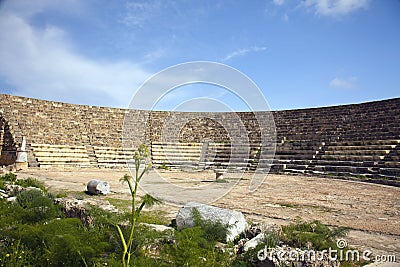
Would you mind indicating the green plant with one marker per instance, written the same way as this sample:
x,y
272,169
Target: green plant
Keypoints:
x,y
195,248
36,206
14,254
309,235
140,157
213,231
54,241
287,205
250,257
164,166
31,182
2,184
61,195
9,177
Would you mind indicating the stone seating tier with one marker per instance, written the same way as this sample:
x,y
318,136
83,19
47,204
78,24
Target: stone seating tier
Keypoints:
x,y
47,155
354,136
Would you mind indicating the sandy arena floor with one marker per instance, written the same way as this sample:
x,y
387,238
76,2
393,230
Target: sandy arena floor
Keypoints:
x,y
372,212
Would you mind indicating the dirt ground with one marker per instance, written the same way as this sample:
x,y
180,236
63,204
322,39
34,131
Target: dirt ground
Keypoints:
x,y
371,211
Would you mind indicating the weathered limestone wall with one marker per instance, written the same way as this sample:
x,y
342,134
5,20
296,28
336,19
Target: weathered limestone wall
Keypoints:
x,y
47,122
377,120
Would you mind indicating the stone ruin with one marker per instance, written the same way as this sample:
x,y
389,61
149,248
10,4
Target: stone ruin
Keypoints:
x,y
359,140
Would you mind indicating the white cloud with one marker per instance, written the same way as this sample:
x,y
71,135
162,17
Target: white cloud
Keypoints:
x,y
285,17
335,7
279,2
243,52
344,83
39,62
138,13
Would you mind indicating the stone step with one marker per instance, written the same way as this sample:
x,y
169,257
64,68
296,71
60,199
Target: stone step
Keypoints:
x,y
391,171
60,154
175,162
352,157
365,143
52,150
298,156
347,169
100,161
113,148
392,164
48,146
176,150
106,156
348,163
60,159
360,147
113,154
358,152
174,158
295,167
155,143
295,152
63,165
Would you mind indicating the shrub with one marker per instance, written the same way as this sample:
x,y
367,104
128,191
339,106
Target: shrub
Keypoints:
x,y
14,254
2,184
194,248
9,177
311,235
31,182
54,242
250,258
213,231
36,206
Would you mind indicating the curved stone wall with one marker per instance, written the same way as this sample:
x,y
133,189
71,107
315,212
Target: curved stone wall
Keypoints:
x,y
347,137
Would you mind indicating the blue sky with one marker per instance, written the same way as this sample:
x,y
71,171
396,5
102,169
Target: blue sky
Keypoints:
x,y
300,53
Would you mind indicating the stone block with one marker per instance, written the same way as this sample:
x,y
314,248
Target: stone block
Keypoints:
x,y
234,220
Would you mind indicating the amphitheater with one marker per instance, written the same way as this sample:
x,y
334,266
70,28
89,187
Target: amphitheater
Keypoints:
x,y
358,143
361,140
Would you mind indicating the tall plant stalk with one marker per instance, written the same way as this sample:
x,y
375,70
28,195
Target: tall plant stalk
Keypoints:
x,y
140,159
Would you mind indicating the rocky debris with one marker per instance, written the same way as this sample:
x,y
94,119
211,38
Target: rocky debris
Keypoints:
x,y
8,168
13,189
96,187
254,242
12,199
234,220
383,264
79,208
158,227
3,194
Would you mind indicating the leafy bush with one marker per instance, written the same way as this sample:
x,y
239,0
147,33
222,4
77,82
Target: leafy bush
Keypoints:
x,y
2,184
312,235
9,177
14,254
194,248
250,258
213,231
31,182
31,225
36,206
